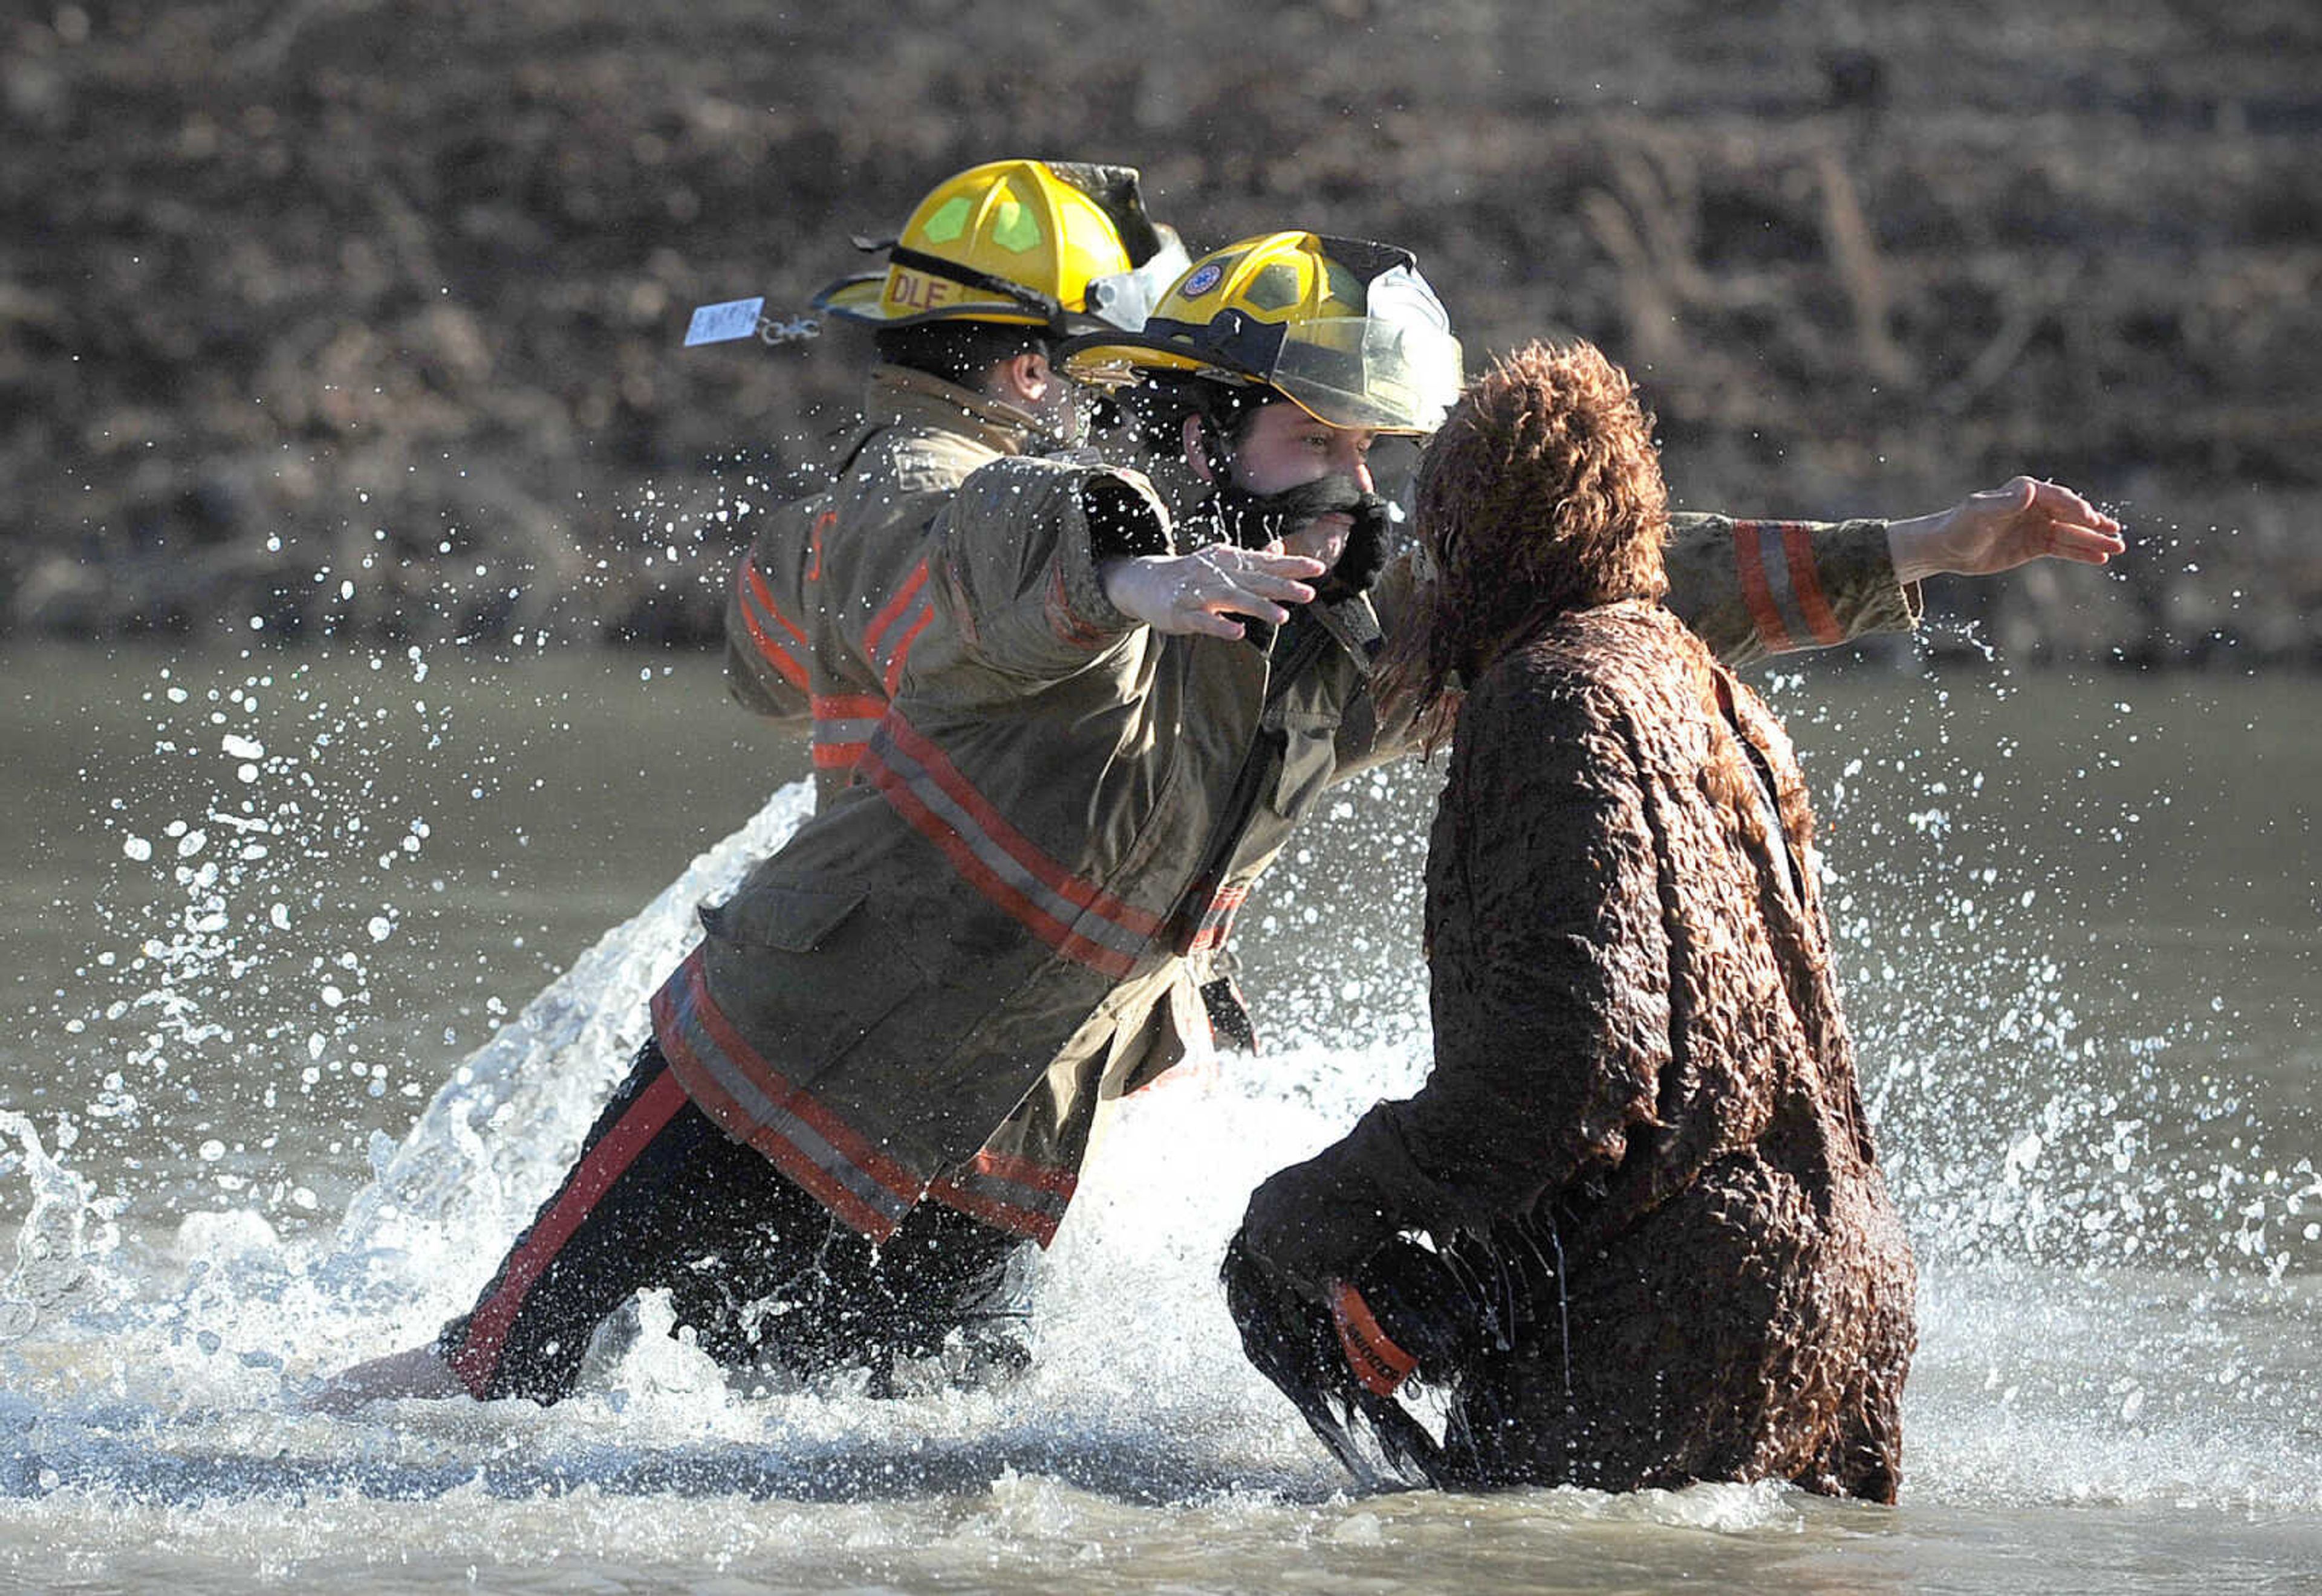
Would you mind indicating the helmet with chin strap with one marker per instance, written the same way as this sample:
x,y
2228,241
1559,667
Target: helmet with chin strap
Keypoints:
x,y
1347,330
1061,245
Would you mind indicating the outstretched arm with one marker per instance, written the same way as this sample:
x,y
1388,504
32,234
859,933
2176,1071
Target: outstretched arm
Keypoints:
x,y
1751,588
2002,528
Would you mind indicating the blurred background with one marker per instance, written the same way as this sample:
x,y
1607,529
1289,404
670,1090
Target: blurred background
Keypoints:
x,y
365,525
360,319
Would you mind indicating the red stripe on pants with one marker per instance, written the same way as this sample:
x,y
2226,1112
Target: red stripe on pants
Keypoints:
x,y
478,1356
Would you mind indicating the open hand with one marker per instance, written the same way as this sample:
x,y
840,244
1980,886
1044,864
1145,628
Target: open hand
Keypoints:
x,y
2002,528
1198,592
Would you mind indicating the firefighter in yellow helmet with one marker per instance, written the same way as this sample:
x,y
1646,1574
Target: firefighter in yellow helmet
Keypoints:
x,y
883,1065
992,267
1273,368
1061,245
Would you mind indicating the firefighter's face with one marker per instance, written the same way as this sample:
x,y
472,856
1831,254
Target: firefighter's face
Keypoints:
x,y
1283,448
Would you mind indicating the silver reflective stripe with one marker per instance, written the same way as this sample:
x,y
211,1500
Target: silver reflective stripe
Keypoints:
x,y
764,1112
895,642
1774,559
843,731
1087,924
1015,1194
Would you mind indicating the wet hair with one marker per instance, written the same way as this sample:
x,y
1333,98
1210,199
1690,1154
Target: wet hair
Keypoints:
x,y
959,350
1541,494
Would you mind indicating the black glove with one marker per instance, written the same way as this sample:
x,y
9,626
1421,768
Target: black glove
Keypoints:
x,y
1295,1343
1405,1316
1312,1224
1366,553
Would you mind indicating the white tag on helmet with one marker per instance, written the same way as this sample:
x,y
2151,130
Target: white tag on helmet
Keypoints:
x,y
717,324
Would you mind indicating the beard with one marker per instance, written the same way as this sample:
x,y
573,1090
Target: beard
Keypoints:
x,y
1254,520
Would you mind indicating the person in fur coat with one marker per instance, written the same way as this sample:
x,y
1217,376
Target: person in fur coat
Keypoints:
x,y
1632,1226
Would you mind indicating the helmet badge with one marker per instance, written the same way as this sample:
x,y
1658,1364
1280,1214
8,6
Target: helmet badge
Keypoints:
x,y
1204,280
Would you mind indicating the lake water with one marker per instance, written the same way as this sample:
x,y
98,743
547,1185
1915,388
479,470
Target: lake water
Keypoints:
x,y
316,968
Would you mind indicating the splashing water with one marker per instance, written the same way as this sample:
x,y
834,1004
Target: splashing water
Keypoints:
x,y
500,1133
64,1229
2033,1134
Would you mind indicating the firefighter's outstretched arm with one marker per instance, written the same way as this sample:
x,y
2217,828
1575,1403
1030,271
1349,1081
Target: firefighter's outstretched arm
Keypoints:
x,y
2002,528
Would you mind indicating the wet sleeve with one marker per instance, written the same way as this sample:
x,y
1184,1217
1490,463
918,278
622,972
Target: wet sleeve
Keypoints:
x,y
1754,589
1017,564
1548,966
767,653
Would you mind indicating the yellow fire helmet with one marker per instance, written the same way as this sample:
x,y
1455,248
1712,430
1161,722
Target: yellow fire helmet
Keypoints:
x,y
1061,244
1346,329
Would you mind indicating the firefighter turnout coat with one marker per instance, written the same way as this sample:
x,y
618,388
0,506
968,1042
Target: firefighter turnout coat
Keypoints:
x,y
832,593
926,993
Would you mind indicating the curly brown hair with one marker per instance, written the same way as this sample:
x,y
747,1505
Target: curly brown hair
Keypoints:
x,y
1541,494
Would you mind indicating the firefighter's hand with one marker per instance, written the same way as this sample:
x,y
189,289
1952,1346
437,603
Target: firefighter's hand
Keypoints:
x,y
2000,529
1200,591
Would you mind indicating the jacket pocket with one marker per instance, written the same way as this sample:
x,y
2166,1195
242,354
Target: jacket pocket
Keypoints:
x,y
791,919
805,976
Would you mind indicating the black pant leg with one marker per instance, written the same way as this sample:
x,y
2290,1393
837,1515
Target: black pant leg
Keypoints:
x,y
941,1272
654,1186
754,1262
659,1196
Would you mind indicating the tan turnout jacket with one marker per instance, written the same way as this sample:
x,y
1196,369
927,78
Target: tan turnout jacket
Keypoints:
x,y
930,988
832,593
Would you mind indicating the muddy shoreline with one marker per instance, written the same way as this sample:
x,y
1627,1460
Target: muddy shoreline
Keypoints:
x,y
324,321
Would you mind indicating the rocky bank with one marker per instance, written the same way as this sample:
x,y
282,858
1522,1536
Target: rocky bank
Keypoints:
x,y
348,318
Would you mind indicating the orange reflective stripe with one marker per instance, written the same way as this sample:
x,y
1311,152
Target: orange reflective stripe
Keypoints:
x,y
1022,1171
1750,562
969,862
1376,1361
1806,583
754,1102
843,725
1010,1194
894,673
764,594
822,524
477,1358
1076,918
914,607
848,706
1217,920
913,581
752,585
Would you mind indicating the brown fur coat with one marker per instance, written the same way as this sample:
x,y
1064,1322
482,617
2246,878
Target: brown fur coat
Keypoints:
x,y
1641,1069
